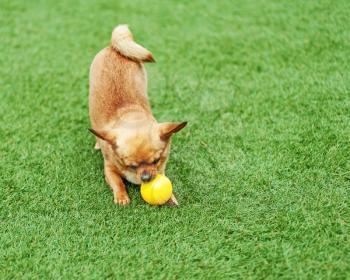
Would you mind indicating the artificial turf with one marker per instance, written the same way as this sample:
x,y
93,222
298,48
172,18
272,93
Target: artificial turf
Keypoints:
x,y
261,171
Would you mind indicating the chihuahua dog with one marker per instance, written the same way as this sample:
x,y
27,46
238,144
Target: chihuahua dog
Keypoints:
x,y
134,145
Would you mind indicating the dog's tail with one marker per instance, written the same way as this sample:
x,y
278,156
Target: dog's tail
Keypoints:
x,y
122,42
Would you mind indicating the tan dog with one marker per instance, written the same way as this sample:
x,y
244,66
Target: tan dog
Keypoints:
x,y
134,145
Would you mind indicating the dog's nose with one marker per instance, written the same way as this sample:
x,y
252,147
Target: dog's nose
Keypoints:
x,y
146,177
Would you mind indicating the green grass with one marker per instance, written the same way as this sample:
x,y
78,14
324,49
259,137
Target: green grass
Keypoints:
x,y
262,172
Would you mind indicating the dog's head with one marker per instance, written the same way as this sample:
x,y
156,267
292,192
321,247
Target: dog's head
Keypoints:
x,y
140,149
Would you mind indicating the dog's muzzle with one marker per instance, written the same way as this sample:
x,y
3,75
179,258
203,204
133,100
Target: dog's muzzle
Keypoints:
x,y
146,177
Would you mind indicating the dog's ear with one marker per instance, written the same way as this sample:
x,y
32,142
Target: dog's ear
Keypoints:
x,y
106,135
167,129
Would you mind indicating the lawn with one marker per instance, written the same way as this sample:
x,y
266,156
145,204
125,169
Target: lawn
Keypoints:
x,y
262,172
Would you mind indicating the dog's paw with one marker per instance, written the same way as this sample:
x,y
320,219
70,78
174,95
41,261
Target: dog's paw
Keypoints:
x,y
172,201
122,199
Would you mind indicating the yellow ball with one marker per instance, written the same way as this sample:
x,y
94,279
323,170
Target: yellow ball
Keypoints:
x,y
158,191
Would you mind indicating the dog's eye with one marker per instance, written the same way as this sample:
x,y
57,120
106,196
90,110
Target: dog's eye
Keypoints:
x,y
133,166
156,161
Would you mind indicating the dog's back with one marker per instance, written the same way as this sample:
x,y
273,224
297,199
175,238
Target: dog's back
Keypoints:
x,y
118,79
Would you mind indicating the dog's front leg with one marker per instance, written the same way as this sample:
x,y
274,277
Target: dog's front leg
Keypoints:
x,y
116,183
